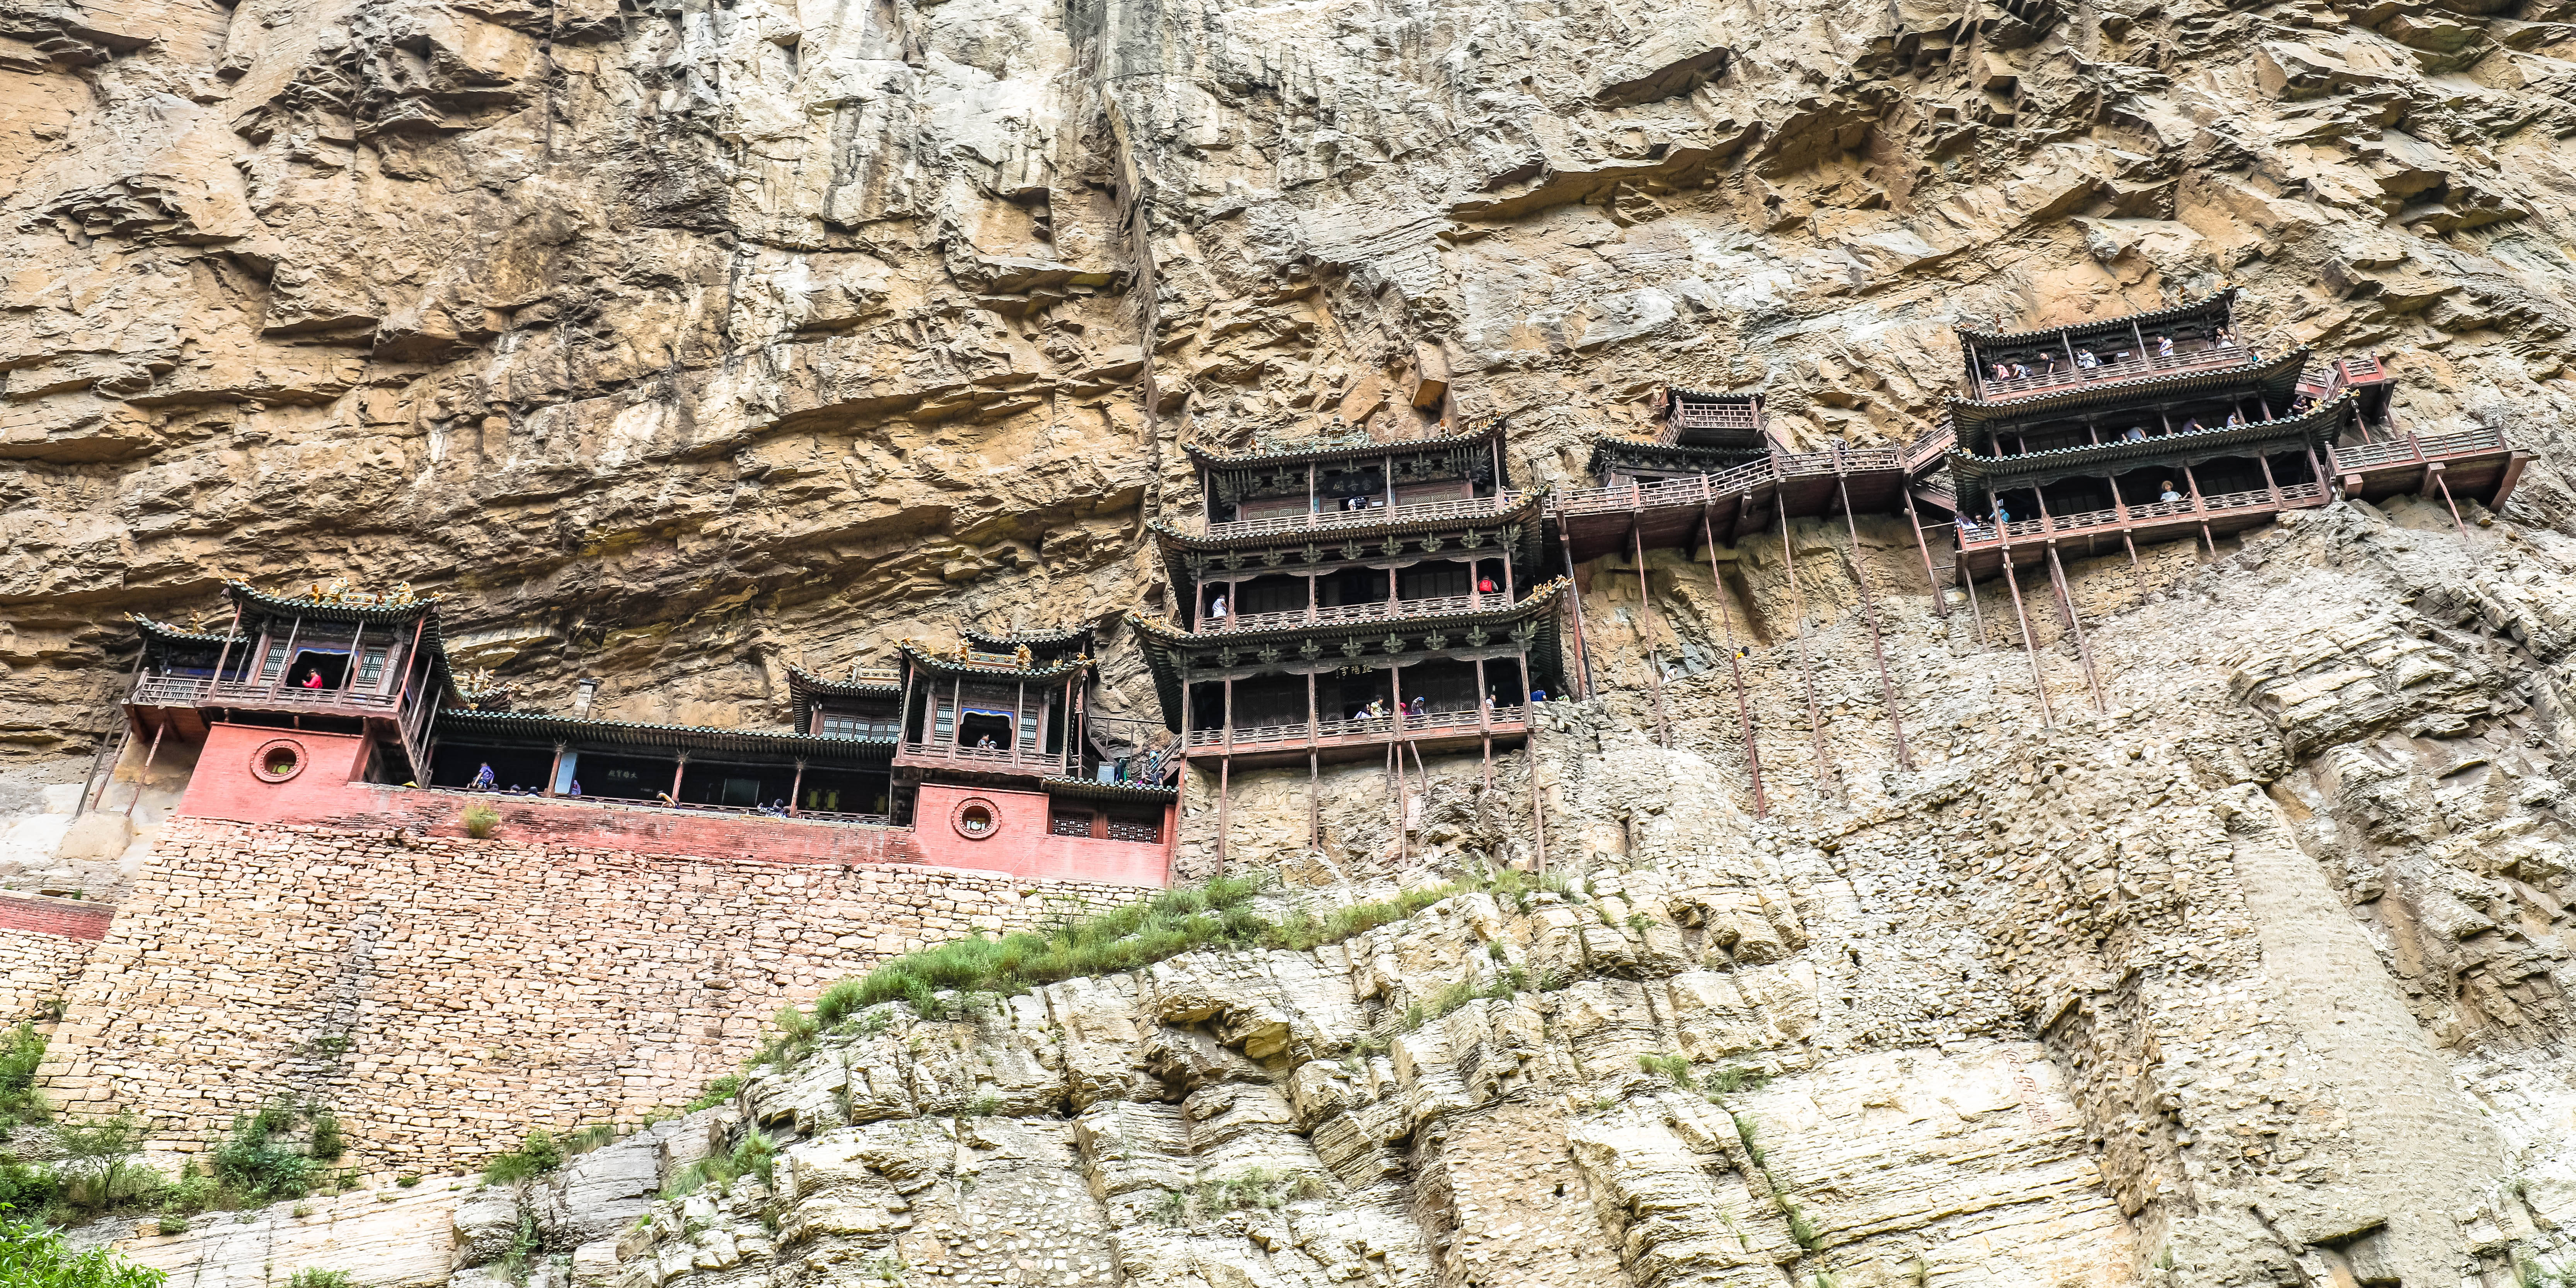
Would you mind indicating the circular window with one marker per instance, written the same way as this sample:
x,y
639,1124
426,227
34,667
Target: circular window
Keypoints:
x,y
278,760
976,819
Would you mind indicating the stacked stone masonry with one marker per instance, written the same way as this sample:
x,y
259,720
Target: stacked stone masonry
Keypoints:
x,y
449,994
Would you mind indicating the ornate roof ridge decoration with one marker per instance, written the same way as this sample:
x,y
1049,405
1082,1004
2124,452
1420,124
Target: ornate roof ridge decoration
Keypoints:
x,y
1057,785
1020,664
2148,450
2217,300
1161,628
800,680
1978,411
1005,640
1524,511
174,634
481,691
641,733
1227,461
339,600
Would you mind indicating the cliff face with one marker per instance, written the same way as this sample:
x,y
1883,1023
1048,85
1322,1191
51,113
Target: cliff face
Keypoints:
x,y
678,342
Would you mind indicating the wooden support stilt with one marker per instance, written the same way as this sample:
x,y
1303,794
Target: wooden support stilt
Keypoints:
x,y
1654,656
2074,624
143,776
1224,802
1976,615
1806,663
2446,500
795,786
1940,602
1538,805
97,798
1485,746
2038,679
1314,802
1869,614
1574,596
1735,669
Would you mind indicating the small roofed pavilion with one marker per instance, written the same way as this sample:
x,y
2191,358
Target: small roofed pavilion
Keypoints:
x,y
1327,487
1695,434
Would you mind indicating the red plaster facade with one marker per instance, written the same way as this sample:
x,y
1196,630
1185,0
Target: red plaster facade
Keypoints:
x,y
243,774
69,918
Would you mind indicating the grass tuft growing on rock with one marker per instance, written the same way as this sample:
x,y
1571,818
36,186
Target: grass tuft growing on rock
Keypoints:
x,y
22,1050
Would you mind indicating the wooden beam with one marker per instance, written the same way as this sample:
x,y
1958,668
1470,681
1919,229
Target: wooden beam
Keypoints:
x,y
1869,614
2038,679
1654,657
1735,669
2066,604
1806,663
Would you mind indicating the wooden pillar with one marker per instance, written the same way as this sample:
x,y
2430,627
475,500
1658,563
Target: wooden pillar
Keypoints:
x,y
554,770
1229,715
1574,596
2075,625
1019,719
1940,603
349,673
1806,663
230,633
1224,792
1314,803
677,769
1976,615
2439,482
796,789
1312,732
285,660
1654,656
2199,507
1735,669
1484,712
2269,482
143,776
2038,679
1869,611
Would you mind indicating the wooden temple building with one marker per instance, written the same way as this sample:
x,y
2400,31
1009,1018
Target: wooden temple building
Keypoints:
x,y
1370,601
339,689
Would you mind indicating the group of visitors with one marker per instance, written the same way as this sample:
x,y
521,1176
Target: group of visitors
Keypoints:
x,y
485,780
2085,359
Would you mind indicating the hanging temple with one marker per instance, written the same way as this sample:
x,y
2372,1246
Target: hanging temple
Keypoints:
x,y
1337,601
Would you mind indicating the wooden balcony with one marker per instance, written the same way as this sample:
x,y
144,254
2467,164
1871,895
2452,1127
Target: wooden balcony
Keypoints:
x,y
2064,374
1734,502
2473,465
1688,417
1353,739
1983,547
980,760
1479,508
1378,611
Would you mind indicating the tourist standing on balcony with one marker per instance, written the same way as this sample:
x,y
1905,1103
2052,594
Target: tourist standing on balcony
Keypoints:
x,y
2169,494
483,779
1216,609
2164,346
1485,585
2085,361
312,677
1417,708
2136,434
2002,515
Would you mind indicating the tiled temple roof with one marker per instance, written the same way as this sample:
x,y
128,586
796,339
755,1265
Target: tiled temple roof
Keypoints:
x,y
2216,303
2277,377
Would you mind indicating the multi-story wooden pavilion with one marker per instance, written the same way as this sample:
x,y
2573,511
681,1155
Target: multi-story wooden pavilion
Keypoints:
x,y
1345,601
1695,434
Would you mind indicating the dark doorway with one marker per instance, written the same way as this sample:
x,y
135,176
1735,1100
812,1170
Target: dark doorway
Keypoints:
x,y
978,728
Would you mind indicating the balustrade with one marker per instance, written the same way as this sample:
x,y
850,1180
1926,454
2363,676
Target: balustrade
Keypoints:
x,y
1483,507
1511,717
2148,364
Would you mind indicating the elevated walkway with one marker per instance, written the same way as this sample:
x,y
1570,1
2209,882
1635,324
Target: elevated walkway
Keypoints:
x,y
1736,503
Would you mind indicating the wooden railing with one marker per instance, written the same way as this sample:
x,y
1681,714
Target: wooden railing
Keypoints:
x,y
1850,460
1483,507
2063,373
1935,443
170,691
1381,610
1700,489
745,811
1714,416
235,692
2415,449
1977,536
978,757
1364,726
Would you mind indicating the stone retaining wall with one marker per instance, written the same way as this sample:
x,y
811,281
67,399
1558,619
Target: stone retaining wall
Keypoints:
x,y
446,994
43,946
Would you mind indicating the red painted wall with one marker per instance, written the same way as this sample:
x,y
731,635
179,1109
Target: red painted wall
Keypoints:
x,y
226,785
70,918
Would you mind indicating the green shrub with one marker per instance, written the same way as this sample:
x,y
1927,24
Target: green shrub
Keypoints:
x,y
327,1145
254,1166
311,1278
539,1154
100,1158
718,1091
1674,1067
1254,1189
1733,1078
32,1256
481,821
171,1223
27,1187
407,1179
23,1050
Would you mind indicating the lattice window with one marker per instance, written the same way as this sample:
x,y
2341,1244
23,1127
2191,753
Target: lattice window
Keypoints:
x,y
1145,828
1070,822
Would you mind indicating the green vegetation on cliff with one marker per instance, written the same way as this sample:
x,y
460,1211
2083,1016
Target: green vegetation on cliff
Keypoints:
x,y
32,1256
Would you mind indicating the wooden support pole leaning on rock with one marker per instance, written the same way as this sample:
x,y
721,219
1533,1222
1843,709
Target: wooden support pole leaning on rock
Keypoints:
x,y
1529,748
678,767
1395,744
1735,669
1940,604
1574,596
1224,793
1976,615
1869,614
1806,664
2446,500
796,789
143,776
1314,802
2075,625
2038,678
1654,657
554,770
